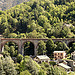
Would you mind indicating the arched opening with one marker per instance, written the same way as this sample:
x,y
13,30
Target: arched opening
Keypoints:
x,y
10,48
61,46
70,44
28,48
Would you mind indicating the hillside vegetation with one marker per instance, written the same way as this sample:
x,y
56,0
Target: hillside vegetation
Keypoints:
x,y
39,19
36,19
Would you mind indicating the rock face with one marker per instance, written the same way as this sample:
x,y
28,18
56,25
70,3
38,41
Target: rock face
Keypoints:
x,y
7,4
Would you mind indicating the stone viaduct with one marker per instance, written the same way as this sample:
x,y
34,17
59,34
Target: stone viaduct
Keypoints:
x,y
20,42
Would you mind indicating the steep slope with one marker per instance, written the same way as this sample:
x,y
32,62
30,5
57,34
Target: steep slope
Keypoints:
x,y
39,19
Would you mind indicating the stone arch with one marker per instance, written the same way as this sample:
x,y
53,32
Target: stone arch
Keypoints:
x,y
27,41
31,42
70,43
61,45
38,45
4,42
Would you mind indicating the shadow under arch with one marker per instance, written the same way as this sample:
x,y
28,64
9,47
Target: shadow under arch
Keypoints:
x,y
29,47
70,43
3,44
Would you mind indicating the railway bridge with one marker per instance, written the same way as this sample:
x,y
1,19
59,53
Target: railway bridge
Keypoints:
x,y
20,42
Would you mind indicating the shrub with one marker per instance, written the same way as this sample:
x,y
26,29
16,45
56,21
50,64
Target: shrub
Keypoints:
x,y
52,63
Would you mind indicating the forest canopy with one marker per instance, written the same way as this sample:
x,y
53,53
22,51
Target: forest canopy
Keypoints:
x,y
44,18
36,19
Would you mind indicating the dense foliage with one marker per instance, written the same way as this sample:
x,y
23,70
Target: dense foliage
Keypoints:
x,y
31,67
7,66
42,48
50,47
39,19
28,67
36,19
10,48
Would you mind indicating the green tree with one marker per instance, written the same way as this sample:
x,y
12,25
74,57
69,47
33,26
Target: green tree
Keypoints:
x,y
41,48
12,35
57,71
32,27
35,34
12,51
6,48
61,46
50,47
30,65
10,48
42,20
64,32
22,35
19,58
6,33
26,72
7,66
42,72
32,34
